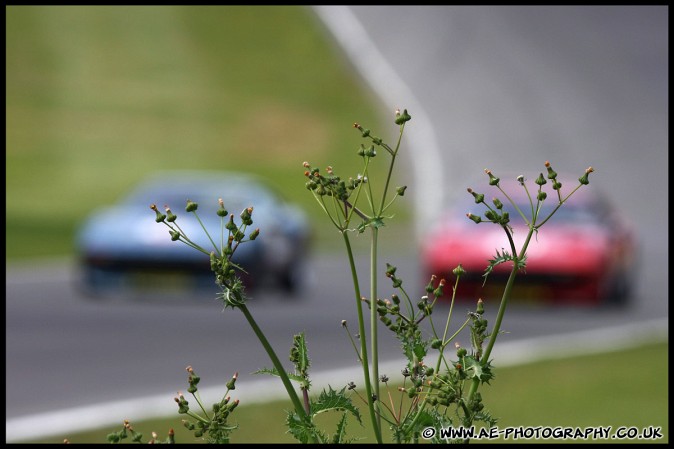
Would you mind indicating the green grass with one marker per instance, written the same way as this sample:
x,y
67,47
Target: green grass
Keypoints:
x,y
623,388
100,96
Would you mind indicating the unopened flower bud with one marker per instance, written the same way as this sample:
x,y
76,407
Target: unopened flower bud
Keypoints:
x,y
475,218
401,190
458,271
231,226
175,235
493,180
556,185
222,212
160,217
246,216
490,215
583,179
436,343
233,405
551,173
231,384
479,197
370,151
431,284
171,216
542,196
253,235
497,203
402,118
541,180
505,218
351,385
480,306
191,206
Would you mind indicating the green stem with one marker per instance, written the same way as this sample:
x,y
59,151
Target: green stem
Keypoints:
x,y
501,311
374,320
299,408
363,342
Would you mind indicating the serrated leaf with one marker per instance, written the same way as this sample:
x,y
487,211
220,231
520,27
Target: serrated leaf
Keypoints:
x,y
300,355
274,372
301,429
334,400
420,351
340,434
477,370
500,258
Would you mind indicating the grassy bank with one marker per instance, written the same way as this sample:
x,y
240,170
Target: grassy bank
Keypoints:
x,y
99,96
625,388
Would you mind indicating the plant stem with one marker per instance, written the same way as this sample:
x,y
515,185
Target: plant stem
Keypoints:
x,y
363,342
374,321
307,405
501,310
299,408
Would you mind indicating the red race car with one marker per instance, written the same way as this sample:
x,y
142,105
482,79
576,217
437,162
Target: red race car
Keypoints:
x,y
585,253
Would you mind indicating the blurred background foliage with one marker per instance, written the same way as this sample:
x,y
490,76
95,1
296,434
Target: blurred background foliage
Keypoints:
x,y
100,96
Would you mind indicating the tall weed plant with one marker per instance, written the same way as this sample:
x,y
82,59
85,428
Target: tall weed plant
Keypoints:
x,y
441,380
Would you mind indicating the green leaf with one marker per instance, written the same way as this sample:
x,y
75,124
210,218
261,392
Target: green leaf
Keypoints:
x,y
340,435
500,258
477,370
375,222
303,430
274,372
300,356
334,400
